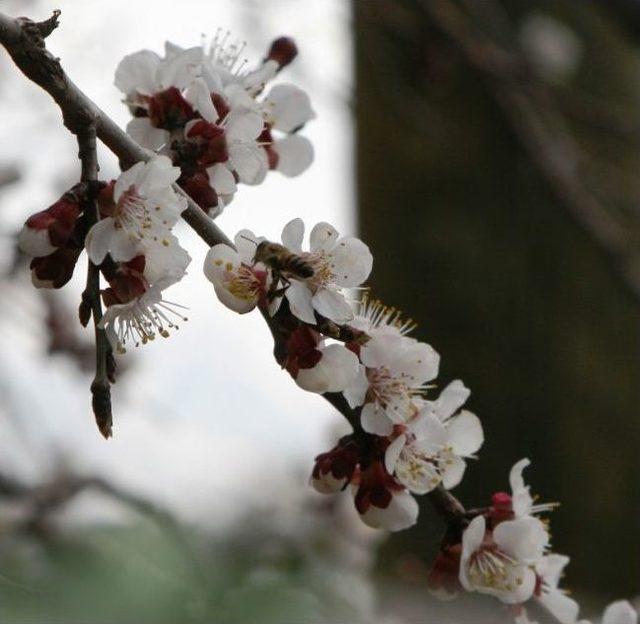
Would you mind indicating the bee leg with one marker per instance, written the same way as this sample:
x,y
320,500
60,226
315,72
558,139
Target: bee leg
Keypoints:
x,y
278,292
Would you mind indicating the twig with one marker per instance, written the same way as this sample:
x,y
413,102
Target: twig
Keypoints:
x,y
42,68
100,386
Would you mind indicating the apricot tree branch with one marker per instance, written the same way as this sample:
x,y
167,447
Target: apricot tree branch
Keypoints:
x,y
26,47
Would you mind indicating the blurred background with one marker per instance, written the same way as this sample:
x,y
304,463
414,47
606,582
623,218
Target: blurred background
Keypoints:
x,y
488,152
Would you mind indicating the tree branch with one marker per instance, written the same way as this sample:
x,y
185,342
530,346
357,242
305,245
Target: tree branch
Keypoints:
x,y
41,67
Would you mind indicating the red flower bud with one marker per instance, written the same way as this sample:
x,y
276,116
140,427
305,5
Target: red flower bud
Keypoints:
x,y
283,50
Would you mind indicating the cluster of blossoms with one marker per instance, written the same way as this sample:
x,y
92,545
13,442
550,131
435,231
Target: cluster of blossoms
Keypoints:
x,y
131,242
404,444
211,128
200,108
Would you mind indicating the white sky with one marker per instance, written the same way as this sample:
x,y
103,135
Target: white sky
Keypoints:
x,y
207,411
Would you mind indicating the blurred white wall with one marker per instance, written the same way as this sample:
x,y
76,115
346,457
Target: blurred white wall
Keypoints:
x,y
207,413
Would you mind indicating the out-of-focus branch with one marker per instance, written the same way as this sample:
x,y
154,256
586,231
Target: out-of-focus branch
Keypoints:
x,y
30,55
44,500
530,110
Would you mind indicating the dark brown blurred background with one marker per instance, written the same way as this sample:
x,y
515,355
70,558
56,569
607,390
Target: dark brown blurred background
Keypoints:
x,y
498,179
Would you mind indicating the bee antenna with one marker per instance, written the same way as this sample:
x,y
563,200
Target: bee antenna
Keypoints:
x,y
249,239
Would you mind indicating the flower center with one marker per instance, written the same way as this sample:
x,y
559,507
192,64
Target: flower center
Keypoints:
x,y
489,567
243,283
132,214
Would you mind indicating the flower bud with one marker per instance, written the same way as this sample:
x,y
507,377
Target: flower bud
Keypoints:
x,y
54,270
283,50
169,110
334,470
49,229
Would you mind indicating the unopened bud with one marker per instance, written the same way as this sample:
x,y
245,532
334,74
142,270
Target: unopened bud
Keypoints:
x,y
283,50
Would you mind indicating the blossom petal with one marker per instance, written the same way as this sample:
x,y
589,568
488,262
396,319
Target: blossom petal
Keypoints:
x,y
524,539
299,298
242,124
472,539
221,179
246,243
288,107
220,259
98,241
417,361
452,471
333,373
375,420
249,161
332,305
323,237
137,73
293,235
451,399
465,434
295,155
351,262
392,454
401,513
563,608
620,612
199,96
357,391
143,133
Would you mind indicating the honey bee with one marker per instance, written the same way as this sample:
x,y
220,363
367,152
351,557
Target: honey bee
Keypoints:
x,y
283,264
280,260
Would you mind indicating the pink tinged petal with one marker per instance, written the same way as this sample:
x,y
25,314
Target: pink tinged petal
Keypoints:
x,y
98,241
375,420
249,161
143,133
620,612
524,539
451,399
293,235
199,96
299,298
35,243
357,391
392,454
465,434
336,370
295,155
452,471
332,305
137,73
563,608
351,262
221,179
323,237
401,513
243,125
471,541
418,361
288,107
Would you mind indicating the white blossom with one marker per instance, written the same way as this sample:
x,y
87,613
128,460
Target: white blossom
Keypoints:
x,y
145,208
394,372
337,263
500,563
